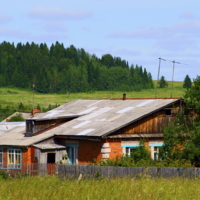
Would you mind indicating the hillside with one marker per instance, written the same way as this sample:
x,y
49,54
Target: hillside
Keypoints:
x,y
14,96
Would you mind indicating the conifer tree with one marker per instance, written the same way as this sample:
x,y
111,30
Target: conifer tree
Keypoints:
x,y
163,83
187,82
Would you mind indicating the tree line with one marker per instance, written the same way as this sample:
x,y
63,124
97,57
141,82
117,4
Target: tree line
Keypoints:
x,y
58,69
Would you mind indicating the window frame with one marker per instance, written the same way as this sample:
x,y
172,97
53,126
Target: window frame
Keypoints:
x,y
72,152
13,158
167,110
127,148
1,158
153,150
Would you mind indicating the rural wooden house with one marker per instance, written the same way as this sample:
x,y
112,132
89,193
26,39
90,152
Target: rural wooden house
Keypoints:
x,y
86,129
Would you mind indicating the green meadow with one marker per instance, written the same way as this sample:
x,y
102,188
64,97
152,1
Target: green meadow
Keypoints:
x,y
15,96
53,188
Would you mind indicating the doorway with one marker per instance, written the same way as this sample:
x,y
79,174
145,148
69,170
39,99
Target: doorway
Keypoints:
x,y
51,158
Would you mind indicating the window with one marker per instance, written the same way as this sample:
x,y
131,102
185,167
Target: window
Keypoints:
x,y
155,150
155,153
129,150
168,112
14,158
29,125
1,158
51,158
72,151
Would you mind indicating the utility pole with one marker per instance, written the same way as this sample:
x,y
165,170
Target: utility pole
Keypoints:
x,y
173,73
156,92
33,95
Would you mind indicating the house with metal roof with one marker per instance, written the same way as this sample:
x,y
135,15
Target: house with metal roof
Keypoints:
x,y
87,129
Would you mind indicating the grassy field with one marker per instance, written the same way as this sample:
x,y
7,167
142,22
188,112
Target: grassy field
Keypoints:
x,y
13,96
52,188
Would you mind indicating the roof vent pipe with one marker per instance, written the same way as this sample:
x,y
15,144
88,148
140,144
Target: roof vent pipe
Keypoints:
x,y
124,96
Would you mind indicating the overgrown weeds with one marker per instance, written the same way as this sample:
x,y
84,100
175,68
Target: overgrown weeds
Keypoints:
x,y
49,187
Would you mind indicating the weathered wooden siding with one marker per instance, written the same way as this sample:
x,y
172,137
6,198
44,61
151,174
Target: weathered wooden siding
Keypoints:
x,y
42,155
42,125
153,123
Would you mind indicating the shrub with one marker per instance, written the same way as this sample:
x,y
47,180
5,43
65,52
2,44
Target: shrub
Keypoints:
x,y
4,175
17,118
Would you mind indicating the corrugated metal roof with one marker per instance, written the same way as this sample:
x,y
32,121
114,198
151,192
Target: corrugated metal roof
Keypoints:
x,y
94,118
108,115
49,146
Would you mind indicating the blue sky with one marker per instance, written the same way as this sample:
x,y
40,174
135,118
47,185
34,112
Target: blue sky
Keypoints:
x,y
138,31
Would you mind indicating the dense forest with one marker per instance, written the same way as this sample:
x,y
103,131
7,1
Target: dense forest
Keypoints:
x,y
58,69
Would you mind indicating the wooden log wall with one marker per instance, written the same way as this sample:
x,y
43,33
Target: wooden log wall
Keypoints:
x,y
153,123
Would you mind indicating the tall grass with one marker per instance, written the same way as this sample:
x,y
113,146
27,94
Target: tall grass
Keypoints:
x,y
49,187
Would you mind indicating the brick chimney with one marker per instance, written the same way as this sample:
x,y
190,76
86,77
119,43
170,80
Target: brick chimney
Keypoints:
x,y
35,110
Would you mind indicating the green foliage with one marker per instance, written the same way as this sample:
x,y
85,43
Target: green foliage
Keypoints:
x,y
187,82
140,153
21,107
163,83
182,136
6,111
59,69
17,118
192,96
4,175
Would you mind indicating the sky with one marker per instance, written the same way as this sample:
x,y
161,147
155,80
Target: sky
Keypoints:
x,y
137,31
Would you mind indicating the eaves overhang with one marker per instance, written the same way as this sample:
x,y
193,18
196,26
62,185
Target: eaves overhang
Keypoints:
x,y
139,118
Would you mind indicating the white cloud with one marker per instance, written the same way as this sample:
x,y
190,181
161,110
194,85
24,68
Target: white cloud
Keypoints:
x,y
5,18
84,28
187,15
52,26
126,52
189,27
55,13
177,37
7,32
48,37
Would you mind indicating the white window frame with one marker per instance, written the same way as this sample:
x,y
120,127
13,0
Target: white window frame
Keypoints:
x,y
127,148
1,158
14,158
153,151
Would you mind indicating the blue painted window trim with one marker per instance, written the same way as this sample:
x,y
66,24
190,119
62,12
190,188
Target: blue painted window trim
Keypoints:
x,y
156,145
134,145
1,162
72,145
20,159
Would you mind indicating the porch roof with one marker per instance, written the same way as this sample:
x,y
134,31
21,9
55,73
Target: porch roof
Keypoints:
x,y
49,146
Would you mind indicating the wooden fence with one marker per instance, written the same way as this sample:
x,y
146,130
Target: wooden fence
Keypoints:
x,y
92,171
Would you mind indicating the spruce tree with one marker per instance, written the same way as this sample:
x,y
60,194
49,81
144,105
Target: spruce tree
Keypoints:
x,y
187,82
163,83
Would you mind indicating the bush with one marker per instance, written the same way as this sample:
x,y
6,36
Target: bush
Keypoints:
x,y
4,175
17,118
